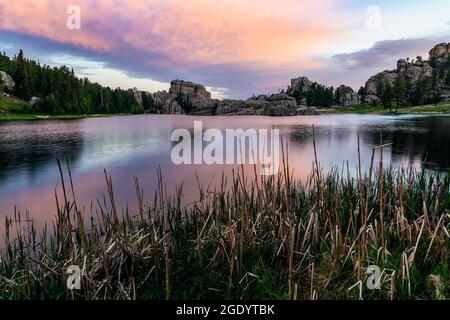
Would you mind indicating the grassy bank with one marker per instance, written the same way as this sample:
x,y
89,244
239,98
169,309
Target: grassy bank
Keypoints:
x,y
13,109
440,108
26,117
260,238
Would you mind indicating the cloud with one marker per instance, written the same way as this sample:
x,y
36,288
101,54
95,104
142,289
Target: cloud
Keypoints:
x,y
386,53
226,43
238,47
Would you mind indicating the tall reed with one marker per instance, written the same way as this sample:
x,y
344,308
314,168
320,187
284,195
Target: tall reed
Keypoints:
x,y
271,237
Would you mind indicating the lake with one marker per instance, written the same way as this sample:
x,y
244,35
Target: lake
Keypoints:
x,y
129,146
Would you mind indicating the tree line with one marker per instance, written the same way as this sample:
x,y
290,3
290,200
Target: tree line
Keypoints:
x,y
317,95
61,92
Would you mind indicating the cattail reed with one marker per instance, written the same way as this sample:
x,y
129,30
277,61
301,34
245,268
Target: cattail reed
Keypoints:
x,y
249,238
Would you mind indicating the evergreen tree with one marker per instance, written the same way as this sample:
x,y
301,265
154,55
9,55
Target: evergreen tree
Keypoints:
x,y
387,96
447,78
362,92
148,102
419,92
21,76
61,92
399,92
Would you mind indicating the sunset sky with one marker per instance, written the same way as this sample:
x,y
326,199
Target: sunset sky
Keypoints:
x,y
235,48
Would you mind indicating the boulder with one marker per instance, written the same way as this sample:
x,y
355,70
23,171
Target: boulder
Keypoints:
x,y
165,103
7,81
307,111
346,96
187,92
34,100
241,107
440,53
260,97
300,84
160,99
281,97
402,65
205,106
281,104
184,95
373,100
378,80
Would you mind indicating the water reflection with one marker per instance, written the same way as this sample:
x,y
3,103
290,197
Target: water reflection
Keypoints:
x,y
137,146
28,148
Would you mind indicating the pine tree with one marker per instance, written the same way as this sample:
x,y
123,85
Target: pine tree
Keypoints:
x,y
362,92
447,78
418,95
23,86
147,102
387,96
399,92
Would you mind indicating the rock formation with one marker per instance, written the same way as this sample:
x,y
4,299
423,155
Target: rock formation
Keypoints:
x,y
307,111
188,92
281,104
7,81
138,96
380,80
274,105
346,96
411,71
192,98
440,53
183,96
300,84
166,104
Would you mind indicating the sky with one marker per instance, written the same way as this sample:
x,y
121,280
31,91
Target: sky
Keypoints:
x,y
235,48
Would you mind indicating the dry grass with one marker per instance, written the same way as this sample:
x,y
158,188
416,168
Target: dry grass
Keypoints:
x,y
260,238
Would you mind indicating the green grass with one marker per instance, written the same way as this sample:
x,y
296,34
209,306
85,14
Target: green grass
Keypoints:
x,y
23,117
9,105
252,238
440,108
16,110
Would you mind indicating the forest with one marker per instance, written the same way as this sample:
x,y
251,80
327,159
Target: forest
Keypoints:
x,y
60,92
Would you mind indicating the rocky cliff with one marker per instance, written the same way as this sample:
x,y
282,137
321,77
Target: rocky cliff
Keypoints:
x,y
7,82
188,91
183,96
412,71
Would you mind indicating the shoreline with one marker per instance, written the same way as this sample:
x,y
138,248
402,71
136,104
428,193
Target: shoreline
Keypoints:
x,y
40,117
442,108
439,109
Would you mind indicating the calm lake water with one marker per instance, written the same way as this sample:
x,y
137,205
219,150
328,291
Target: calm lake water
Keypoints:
x,y
138,145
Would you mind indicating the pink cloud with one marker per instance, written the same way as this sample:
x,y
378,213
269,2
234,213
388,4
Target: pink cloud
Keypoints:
x,y
261,34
